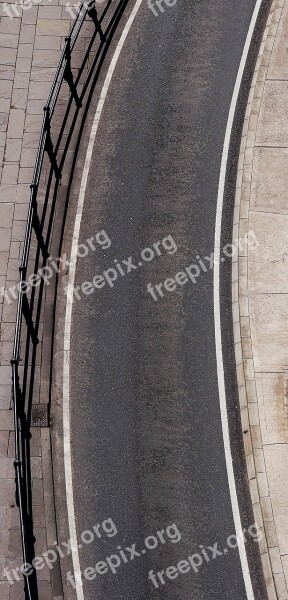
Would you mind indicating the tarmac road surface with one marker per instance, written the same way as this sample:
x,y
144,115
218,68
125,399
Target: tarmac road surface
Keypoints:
x,y
146,434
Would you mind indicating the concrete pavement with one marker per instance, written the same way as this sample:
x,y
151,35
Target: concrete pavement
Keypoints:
x,y
260,288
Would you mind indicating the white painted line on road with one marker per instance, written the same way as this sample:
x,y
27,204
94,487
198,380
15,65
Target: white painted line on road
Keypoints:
x,y
217,317
69,305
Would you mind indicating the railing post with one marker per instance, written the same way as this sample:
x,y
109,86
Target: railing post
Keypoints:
x,y
27,312
19,478
92,12
68,76
36,223
48,143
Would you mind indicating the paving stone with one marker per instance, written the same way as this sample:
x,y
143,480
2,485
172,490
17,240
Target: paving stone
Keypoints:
x,y
25,51
42,75
271,589
278,61
5,397
6,352
10,25
272,125
19,98
18,230
10,172
21,81
3,517
20,213
274,408
267,509
8,192
13,150
2,569
4,538
7,492
25,175
35,107
275,560
8,56
3,262
4,590
276,459
270,173
6,89
5,376
27,33
30,16
23,65
13,517
6,214
23,190
43,59
35,447
9,312
30,140
5,105
14,543
53,27
284,560
50,12
4,440
37,491
6,72
6,468
36,467
3,121
16,123
280,586
15,248
17,591
41,541
39,516
271,534
45,590
269,328
28,157
44,42
39,91
13,565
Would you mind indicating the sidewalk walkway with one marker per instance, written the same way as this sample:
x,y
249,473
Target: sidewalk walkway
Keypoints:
x,y
30,48
260,288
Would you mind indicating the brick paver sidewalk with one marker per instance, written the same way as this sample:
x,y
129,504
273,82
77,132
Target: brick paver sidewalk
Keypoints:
x,y
30,47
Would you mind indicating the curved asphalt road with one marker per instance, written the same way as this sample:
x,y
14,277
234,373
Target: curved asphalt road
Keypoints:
x,y
147,446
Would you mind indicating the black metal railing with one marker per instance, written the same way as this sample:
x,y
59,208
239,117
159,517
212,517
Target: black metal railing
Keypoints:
x,y
71,87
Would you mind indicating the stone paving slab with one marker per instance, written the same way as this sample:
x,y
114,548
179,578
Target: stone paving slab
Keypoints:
x,y
260,297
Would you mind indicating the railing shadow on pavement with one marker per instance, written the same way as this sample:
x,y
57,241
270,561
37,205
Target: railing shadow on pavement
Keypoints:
x,y
80,82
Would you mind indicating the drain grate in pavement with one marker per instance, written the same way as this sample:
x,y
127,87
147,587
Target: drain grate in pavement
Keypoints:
x,y
39,415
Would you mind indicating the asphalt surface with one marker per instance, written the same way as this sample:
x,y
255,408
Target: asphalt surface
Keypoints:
x,y
146,435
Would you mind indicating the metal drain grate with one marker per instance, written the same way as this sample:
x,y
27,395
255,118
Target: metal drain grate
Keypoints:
x,y
39,415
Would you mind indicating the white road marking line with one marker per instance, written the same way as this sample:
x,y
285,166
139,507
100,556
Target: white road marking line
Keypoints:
x,y
217,318
69,305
